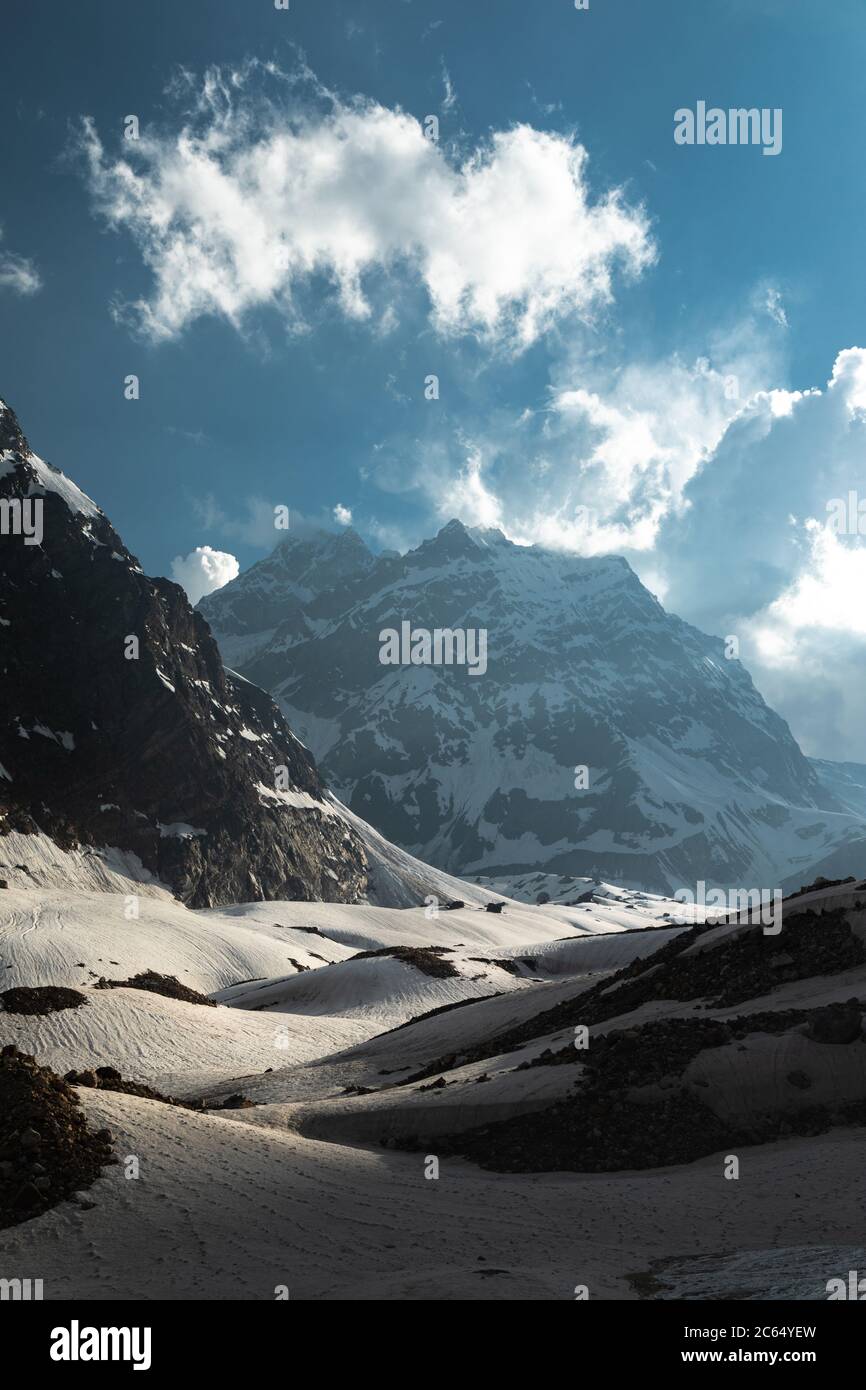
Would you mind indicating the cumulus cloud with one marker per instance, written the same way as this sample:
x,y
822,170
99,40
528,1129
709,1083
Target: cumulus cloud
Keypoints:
x,y
203,571
755,510
812,672
826,596
849,381
342,515
808,646
760,553
602,465
246,202
17,273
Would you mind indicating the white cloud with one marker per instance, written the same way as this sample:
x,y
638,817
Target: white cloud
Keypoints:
x,y
342,515
849,380
826,596
244,203
808,647
17,273
760,553
203,571
757,511
469,497
605,465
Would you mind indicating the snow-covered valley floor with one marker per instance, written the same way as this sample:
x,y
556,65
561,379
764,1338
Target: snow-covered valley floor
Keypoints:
x,y
225,1210
324,1015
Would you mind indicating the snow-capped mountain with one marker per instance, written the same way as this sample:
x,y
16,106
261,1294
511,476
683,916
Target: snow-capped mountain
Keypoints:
x,y
277,591
119,726
690,775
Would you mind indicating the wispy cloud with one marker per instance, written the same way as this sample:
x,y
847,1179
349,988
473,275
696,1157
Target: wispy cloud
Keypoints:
x,y
197,437
18,274
255,525
449,100
774,306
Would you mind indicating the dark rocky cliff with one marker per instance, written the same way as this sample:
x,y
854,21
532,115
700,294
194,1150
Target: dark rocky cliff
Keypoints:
x,y
167,755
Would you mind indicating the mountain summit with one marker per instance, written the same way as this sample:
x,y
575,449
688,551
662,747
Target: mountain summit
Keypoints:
x,y
689,774
120,727
279,588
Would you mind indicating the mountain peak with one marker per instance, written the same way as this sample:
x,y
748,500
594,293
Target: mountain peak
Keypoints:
x,y
305,563
11,434
24,473
319,538
453,540
349,539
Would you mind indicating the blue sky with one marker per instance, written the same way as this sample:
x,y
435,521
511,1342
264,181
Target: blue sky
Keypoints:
x,y
620,325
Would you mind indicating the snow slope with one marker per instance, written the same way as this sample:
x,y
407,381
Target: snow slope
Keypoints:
x,y
175,1047
288,986
226,1211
